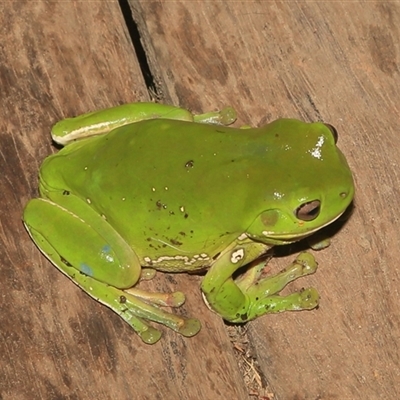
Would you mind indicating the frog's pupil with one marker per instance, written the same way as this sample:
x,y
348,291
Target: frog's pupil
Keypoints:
x,y
308,211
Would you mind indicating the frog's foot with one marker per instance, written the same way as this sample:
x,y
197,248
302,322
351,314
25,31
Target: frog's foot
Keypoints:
x,y
226,116
262,297
136,307
317,242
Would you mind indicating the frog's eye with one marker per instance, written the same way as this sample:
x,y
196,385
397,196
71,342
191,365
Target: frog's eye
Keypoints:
x,y
308,211
333,131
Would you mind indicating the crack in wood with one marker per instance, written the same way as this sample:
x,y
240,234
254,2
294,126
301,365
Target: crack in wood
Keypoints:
x,y
140,51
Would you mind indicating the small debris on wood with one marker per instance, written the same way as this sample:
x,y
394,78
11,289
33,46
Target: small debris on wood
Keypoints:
x,y
255,382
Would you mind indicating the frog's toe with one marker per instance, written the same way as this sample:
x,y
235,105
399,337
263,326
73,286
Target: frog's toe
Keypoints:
x,y
150,335
304,264
308,299
176,299
228,116
146,332
189,327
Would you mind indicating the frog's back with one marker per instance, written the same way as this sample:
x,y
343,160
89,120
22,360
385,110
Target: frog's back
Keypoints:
x,y
170,184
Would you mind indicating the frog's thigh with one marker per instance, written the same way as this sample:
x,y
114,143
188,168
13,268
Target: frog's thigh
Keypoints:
x,y
74,237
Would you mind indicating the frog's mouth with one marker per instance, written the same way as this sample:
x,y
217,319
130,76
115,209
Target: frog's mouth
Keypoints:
x,y
301,231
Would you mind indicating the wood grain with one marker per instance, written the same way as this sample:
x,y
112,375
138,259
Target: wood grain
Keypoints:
x,y
331,61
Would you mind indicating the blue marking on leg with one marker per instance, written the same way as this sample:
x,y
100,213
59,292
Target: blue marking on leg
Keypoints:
x,y
85,269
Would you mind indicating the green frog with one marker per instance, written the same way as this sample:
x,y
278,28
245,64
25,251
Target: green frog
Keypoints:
x,y
143,187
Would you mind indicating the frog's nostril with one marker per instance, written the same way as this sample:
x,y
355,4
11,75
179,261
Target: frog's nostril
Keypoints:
x,y
308,211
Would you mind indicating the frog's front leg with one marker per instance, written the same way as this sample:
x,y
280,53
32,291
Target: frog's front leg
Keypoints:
x,y
85,247
242,300
103,121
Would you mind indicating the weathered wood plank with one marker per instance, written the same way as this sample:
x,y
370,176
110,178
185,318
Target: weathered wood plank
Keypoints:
x,y
335,61
61,59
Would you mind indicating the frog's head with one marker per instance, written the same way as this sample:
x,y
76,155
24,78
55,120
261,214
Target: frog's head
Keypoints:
x,y
314,186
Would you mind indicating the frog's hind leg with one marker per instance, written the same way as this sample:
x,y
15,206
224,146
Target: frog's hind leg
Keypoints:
x,y
104,121
82,245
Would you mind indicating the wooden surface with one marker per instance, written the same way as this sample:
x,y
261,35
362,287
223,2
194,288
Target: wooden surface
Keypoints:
x,y
331,61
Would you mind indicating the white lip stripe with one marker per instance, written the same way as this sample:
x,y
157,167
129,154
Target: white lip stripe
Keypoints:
x,y
272,235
